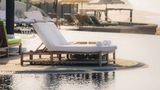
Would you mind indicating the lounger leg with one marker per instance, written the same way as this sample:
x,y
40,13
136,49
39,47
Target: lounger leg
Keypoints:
x,y
40,56
113,75
68,56
51,57
21,59
31,57
114,58
100,59
7,52
107,58
20,49
59,57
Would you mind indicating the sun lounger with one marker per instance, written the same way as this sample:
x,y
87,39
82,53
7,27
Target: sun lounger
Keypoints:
x,y
95,20
90,20
6,43
84,20
56,44
37,16
3,16
71,19
16,19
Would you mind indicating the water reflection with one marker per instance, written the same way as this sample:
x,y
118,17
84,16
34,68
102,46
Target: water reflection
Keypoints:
x,y
67,81
76,81
5,82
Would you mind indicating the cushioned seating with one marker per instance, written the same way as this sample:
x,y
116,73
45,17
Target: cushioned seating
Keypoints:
x,y
14,41
9,42
55,42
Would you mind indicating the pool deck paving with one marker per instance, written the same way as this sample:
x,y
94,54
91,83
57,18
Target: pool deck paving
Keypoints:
x,y
12,65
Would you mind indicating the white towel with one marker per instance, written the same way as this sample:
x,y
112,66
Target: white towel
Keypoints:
x,y
106,43
99,44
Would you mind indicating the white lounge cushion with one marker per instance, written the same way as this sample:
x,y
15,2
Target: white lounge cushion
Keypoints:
x,y
49,34
106,43
54,40
99,44
83,48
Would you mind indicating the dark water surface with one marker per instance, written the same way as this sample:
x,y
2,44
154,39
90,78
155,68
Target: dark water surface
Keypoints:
x,y
72,81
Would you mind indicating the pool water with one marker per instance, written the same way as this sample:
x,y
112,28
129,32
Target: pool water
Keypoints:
x,y
63,81
142,48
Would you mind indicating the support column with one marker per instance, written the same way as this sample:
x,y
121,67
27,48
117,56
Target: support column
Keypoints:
x,y
106,14
10,16
131,15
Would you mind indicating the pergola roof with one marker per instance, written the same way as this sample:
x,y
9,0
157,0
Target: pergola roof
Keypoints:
x,y
73,1
107,2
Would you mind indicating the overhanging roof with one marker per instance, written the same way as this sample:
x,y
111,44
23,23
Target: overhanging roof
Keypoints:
x,y
73,1
106,2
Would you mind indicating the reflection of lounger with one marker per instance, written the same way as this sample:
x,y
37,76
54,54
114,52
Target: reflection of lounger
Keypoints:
x,y
57,44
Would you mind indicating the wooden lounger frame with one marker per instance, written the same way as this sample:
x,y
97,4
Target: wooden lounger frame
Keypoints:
x,y
103,57
59,54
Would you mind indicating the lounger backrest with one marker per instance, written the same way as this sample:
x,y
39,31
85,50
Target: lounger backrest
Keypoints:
x,y
70,18
87,20
35,15
49,34
95,20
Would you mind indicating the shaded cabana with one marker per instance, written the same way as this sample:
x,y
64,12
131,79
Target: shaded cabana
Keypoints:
x,y
102,2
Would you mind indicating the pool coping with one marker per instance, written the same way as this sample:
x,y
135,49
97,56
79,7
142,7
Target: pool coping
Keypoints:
x,y
12,66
